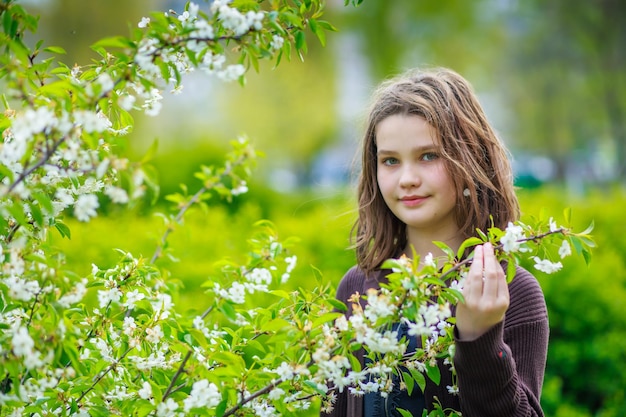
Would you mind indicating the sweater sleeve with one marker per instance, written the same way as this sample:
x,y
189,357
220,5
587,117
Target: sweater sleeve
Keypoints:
x,y
501,373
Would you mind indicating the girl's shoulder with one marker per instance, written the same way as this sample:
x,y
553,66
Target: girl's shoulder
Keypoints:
x,y
358,281
527,302
351,282
524,281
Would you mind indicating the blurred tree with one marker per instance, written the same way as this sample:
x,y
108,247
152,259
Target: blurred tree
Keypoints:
x,y
75,24
406,33
557,66
290,115
571,58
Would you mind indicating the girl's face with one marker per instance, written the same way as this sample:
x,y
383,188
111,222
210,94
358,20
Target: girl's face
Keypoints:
x,y
412,177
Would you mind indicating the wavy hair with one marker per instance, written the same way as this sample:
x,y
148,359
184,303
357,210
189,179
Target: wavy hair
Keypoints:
x,y
474,156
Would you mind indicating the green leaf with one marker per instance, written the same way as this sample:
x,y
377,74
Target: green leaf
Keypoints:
x,y
445,248
326,25
404,412
276,325
588,230
472,241
281,293
35,211
325,318
113,42
44,200
418,377
433,373
301,41
338,305
318,31
229,311
151,152
55,50
567,213
408,381
354,363
510,270
318,274
314,387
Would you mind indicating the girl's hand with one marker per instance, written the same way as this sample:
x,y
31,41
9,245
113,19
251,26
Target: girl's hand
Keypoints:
x,y
486,295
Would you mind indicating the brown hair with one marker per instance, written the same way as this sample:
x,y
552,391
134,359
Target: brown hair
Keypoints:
x,y
474,157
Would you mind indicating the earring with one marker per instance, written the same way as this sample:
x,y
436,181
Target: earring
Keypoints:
x,y
466,192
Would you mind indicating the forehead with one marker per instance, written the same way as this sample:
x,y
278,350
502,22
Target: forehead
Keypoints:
x,y
404,132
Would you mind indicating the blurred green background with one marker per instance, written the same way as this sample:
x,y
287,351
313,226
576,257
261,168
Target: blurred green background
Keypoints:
x,y
551,76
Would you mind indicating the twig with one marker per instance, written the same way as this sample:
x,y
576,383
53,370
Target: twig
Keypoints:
x,y
179,371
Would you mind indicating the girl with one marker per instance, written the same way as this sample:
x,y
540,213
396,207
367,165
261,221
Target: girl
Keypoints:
x,y
433,169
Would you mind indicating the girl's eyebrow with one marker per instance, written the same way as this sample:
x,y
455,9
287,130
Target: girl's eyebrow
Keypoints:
x,y
417,149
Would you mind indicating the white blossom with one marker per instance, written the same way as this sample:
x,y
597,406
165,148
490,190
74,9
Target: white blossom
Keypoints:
x,y
204,394
154,334
144,22
129,326
105,81
552,224
167,408
565,249
547,266
74,296
126,101
231,72
146,391
276,394
116,194
277,42
29,123
132,297
429,260
106,352
22,343
112,295
85,207
510,240
162,306
242,188
378,305
20,288
91,121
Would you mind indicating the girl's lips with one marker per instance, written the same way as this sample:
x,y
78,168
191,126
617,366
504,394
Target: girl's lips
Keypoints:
x,y
411,201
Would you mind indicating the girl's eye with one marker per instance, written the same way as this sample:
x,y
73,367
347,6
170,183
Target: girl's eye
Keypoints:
x,y
389,161
429,156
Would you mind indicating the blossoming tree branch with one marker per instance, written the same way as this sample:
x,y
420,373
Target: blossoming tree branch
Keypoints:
x,y
112,342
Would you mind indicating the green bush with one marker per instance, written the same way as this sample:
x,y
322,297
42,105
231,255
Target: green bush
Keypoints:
x,y
585,306
588,327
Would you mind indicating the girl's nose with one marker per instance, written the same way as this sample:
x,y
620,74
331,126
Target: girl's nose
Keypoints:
x,y
409,177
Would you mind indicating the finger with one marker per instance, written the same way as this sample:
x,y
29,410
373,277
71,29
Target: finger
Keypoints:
x,y
491,271
474,285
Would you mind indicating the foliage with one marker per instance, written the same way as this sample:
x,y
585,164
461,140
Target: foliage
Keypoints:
x,y
585,307
586,320
110,341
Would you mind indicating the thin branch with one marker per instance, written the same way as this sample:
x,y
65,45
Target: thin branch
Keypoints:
x,y
193,200
44,158
179,216
103,374
246,400
179,371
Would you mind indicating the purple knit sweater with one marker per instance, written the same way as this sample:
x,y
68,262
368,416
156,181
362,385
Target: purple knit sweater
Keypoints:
x,y
500,374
